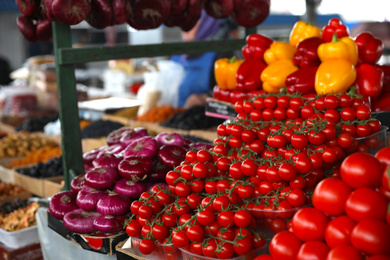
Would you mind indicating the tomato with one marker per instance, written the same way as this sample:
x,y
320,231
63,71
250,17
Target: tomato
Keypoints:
x,y
280,113
268,114
205,217
298,182
307,111
379,257
235,142
329,155
227,233
345,100
197,186
297,197
248,106
278,141
348,114
182,190
330,196
292,114
303,165
145,211
363,130
363,112
287,171
331,101
264,257
265,187
361,170
171,177
195,233
133,229
365,203
244,245
284,246
160,231
146,246
194,200
277,225
313,250
309,224
212,229
296,103
248,136
220,149
375,125
170,219
249,167
272,174
259,103
221,131
316,160
227,251
181,208
350,129
242,218
371,236
344,252
283,102
338,231
383,155
209,248
256,115
299,140
332,116
221,202
210,187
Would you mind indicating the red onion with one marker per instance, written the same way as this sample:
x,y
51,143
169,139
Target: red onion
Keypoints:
x,y
80,221
101,177
88,157
171,155
88,198
158,172
62,203
135,168
109,223
170,139
112,149
113,204
115,136
200,146
138,132
145,147
87,167
107,160
129,189
77,183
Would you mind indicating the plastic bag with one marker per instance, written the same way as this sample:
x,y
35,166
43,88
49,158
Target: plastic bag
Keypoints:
x,y
162,83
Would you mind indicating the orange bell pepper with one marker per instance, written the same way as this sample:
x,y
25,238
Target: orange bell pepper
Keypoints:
x,y
279,51
301,31
225,71
344,48
274,75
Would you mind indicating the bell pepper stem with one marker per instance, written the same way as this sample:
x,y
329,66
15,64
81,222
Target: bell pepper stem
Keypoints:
x,y
334,37
233,59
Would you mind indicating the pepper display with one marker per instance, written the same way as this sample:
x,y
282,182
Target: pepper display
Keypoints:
x,y
370,48
248,75
369,80
302,81
225,71
302,31
344,48
386,77
334,76
274,75
306,54
334,26
279,51
382,103
256,45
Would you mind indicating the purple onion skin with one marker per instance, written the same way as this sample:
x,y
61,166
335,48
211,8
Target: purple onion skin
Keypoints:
x,y
88,157
138,132
80,221
129,189
113,204
135,168
101,177
77,183
171,155
172,138
112,149
107,160
144,147
88,198
108,224
115,136
200,146
62,203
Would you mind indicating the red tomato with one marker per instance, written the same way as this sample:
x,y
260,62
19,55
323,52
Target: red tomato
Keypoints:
x,y
365,203
287,171
209,248
146,246
205,217
226,252
309,224
383,156
338,231
244,245
371,236
284,246
344,252
313,250
195,233
297,198
242,218
330,196
361,170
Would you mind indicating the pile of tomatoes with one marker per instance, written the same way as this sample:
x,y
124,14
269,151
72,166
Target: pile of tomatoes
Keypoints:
x,y
350,218
263,168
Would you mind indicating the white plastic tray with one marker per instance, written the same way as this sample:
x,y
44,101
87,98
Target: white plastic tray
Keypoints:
x,y
19,238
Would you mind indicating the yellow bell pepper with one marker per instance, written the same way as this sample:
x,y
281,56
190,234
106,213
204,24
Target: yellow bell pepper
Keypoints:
x,y
225,71
334,76
344,48
279,51
301,31
274,75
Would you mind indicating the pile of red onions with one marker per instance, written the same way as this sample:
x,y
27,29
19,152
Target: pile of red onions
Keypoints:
x,y
131,163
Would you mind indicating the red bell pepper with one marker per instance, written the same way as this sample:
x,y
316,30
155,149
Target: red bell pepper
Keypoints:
x,y
386,77
256,45
369,80
248,75
334,26
302,81
370,48
381,104
306,54
221,94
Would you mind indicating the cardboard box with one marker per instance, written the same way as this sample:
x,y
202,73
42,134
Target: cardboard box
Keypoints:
x,y
29,252
7,175
33,185
102,245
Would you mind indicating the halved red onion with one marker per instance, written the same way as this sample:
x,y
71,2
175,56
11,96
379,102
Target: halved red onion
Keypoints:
x,y
115,136
135,168
101,177
109,223
171,155
107,160
62,203
113,204
171,138
88,198
129,189
144,147
138,132
77,183
80,221
158,172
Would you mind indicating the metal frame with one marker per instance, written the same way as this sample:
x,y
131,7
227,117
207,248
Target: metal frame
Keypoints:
x,y
66,57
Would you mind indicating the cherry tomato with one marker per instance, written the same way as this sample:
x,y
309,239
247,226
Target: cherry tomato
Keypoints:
x,y
160,231
146,246
195,233
133,229
180,239
205,217
221,203
363,112
225,219
259,103
345,100
209,248
145,211
331,102
242,218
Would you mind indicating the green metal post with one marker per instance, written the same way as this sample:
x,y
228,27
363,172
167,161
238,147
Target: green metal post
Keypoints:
x,y
68,109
